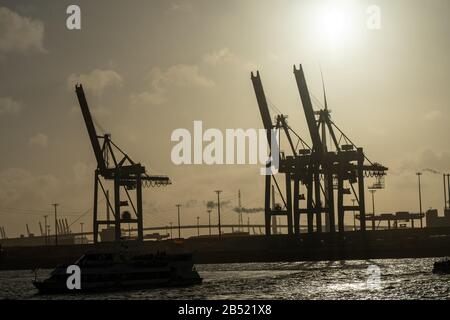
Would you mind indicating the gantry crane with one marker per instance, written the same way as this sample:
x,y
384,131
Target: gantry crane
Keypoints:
x,y
269,211
317,169
115,165
347,164
278,126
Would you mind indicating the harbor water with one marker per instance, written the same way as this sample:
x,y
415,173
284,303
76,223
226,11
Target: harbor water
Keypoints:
x,y
364,279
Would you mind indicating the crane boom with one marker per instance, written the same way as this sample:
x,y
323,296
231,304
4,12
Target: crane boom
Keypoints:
x,y
262,103
308,109
90,127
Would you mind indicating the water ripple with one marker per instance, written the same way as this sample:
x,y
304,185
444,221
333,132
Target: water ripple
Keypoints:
x,y
400,279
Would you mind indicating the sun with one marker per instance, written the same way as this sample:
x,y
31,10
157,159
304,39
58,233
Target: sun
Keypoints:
x,y
334,25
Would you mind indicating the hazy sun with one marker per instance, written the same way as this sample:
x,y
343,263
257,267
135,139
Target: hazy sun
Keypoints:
x,y
334,25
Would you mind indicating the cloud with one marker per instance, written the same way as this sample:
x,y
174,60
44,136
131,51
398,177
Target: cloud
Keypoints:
x,y
82,173
19,186
191,203
180,6
273,56
39,140
96,81
149,98
9,106
162,81
180,75
433,115
186,76
225,56
426,160
439,161
20,34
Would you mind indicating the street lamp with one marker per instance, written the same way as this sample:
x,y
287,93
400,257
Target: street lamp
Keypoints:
x,y
209,221
218,209
179,225
46,230
56,222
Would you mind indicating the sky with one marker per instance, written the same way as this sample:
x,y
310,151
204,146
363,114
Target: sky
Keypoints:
x,y
151,67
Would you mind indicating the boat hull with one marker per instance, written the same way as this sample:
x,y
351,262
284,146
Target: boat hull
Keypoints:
x,y
47,288
441,267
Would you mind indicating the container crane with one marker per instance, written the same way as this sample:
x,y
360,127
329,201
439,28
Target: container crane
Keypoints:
x,y
319,170
127,176
269,211
346,164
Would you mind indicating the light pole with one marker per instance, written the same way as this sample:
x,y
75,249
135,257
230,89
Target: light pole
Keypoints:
x,y
179,225
46,230
218,209
448,190
198,226
420,199
209,221
240,211
56,222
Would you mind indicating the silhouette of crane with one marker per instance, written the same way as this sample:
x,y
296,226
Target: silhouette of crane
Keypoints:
x,y
319,170
113,164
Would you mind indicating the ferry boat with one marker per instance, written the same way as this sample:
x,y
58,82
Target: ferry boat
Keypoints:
x,y
111,271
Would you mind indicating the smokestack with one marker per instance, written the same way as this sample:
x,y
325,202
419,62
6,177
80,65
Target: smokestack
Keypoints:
x,y
448,189
40,228
445,194
4,233
2,236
